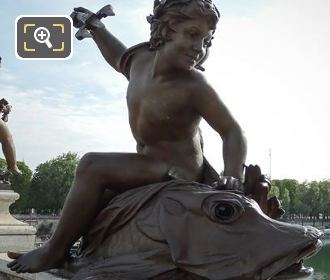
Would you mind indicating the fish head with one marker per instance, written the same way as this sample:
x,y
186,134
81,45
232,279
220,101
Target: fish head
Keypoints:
x,y
225,235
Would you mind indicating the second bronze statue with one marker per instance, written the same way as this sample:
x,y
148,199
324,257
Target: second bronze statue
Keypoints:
x,y
7,143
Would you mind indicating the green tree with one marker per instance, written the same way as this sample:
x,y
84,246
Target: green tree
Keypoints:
x,y
51,183
293,188
324,199
311,199
301,208
284,195
274,191
21,185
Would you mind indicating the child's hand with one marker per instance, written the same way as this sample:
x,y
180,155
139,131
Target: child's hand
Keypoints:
x,y
228,183
82,16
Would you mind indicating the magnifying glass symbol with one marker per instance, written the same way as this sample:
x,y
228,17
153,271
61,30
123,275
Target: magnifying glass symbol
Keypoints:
x,y
41,35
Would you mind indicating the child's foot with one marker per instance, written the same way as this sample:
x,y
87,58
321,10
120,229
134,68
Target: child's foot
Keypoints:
x,y
40,259
15,170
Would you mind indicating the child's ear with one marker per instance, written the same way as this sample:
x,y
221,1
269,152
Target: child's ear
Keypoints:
x,y
166,34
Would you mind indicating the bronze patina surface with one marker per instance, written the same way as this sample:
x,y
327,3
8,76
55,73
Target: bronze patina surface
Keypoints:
x,y
185,228
161,222
7,142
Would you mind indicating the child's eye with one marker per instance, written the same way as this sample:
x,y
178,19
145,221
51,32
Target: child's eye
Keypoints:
x,y
193,34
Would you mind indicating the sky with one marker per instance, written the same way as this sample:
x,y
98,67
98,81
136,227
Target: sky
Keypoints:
x,y
269,62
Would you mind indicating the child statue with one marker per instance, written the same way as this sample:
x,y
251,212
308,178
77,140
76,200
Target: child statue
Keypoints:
x,y
167,96
7,143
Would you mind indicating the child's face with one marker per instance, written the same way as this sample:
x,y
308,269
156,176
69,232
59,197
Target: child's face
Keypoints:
x,y
188,43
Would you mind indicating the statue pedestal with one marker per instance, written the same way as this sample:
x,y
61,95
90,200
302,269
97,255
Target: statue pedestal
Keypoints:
x,y
14,235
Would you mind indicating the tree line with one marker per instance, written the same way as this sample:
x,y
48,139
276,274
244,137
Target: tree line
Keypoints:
x,y
303,201
45,190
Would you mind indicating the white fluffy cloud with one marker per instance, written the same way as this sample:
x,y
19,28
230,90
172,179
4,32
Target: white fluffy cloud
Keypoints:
x,y
43,128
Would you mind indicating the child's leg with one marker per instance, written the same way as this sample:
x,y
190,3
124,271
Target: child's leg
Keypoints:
x,y
8,148
95,173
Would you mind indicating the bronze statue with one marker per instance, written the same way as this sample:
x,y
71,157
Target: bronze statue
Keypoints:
x,y
7,143
167,97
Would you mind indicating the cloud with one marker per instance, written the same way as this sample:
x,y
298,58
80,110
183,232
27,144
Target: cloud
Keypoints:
x,y
44,127
6,76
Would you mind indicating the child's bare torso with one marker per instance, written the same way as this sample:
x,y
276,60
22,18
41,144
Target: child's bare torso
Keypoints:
x,y
162,117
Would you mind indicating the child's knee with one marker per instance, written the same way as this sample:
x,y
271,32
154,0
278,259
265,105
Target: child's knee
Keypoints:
x,y
86,165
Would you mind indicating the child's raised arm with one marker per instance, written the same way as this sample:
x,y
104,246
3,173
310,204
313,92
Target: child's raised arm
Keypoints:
x,y
111,48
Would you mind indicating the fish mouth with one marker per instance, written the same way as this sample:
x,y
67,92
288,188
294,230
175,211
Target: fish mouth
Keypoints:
x,y
291,265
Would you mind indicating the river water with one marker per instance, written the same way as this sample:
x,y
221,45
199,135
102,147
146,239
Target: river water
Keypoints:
x,y
321,263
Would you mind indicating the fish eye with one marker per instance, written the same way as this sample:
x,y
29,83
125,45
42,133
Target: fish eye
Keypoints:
x,y
223,211
227,211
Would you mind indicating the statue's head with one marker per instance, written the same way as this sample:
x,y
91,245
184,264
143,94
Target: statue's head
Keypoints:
x,y
168,13
5,109
3,104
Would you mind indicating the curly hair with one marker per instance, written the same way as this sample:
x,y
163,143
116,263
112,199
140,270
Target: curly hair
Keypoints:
x,y
168,13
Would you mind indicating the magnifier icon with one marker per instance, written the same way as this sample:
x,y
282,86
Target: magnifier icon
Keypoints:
x,y
41,35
